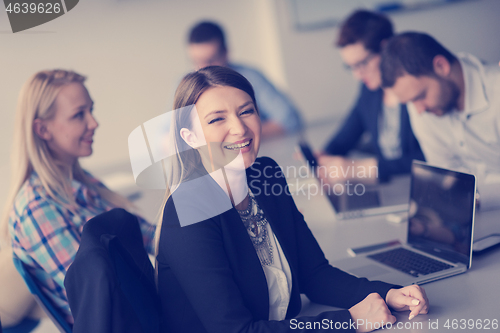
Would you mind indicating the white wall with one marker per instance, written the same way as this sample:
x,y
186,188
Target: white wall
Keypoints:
x,y
322,88
132,53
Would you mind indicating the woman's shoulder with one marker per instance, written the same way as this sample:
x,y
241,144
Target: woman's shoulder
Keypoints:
x,y
33,199
194,201
31,191
262,163
31,204
87,181
265,168
91,178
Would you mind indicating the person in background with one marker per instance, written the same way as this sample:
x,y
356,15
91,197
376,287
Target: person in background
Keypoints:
x,y
52,197
454,106
207,46
377,111
233,256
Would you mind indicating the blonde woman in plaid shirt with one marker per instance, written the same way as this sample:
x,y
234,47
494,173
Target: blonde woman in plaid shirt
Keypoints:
x,y
51,196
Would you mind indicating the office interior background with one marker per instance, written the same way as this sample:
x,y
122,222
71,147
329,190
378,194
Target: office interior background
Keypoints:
x,y
133,52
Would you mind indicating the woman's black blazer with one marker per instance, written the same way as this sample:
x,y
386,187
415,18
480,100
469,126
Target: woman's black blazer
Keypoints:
x,y
211,280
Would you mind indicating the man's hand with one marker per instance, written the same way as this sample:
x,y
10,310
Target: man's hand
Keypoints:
x,y
370,311
411,298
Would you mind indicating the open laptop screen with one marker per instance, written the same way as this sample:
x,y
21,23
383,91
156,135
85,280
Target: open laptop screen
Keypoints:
x,y
441,215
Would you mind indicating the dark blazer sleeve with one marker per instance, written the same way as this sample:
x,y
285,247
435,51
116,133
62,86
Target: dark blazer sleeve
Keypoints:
x,y
100,293
349,134
83,291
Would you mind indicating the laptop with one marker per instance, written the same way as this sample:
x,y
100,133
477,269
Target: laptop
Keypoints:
x,y
375,200
440,232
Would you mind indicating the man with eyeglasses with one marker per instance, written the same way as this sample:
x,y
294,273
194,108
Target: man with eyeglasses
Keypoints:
x,y
376,112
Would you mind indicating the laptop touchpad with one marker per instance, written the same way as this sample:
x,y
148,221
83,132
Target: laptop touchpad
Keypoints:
x,y
368,271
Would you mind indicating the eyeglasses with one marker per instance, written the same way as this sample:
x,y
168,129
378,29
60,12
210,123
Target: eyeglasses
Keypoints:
x,y
360,65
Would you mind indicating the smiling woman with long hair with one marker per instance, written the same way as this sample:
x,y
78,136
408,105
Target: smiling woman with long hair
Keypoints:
x,y
234,253
51,196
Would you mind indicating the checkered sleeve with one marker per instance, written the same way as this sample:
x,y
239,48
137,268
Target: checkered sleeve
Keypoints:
x,y
45,239
148,234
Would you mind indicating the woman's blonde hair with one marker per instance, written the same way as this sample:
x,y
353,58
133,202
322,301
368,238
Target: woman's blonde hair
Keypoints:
x,y
192,86
30,153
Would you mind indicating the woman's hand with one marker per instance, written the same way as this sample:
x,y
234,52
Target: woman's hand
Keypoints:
x,y
411,298
371,313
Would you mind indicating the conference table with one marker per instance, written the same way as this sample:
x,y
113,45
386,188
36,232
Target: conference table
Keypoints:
x,y
472,295
466,302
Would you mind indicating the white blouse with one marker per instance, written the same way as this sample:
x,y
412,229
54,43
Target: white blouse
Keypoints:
x,y
279,280
272,259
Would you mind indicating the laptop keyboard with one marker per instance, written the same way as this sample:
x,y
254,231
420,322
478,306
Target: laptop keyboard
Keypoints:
x,y
409,262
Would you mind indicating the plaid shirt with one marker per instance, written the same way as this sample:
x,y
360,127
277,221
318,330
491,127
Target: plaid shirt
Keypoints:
x,y
46,235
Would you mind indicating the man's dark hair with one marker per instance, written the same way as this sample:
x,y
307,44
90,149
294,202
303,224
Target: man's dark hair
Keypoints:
x,y
207,32
366,27
412,53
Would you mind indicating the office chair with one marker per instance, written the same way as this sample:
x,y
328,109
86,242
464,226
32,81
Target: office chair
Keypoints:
x,y
27,325
47,306
110,285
